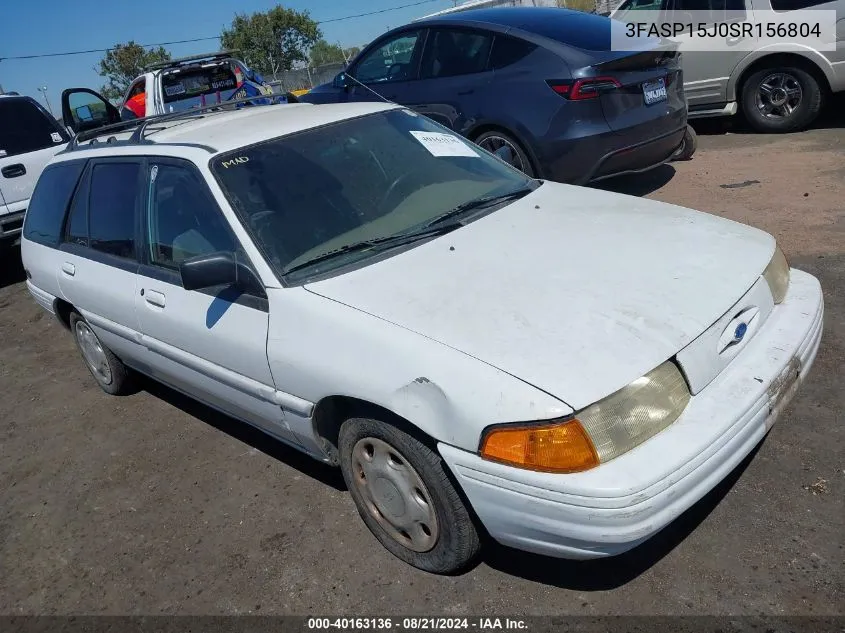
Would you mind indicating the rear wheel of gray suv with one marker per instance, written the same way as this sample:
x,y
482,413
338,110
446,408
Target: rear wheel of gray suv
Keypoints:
x,y
107,369
507,148
405,496
781,99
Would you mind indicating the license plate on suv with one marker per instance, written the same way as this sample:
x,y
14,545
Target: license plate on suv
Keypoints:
x,y
654,91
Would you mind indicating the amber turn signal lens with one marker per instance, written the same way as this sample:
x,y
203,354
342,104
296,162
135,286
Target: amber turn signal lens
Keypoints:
x,y
559,448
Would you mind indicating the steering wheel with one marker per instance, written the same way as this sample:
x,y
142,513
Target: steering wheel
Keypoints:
x,y
392,189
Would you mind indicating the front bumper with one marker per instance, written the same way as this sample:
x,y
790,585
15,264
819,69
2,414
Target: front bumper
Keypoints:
x,y
616,506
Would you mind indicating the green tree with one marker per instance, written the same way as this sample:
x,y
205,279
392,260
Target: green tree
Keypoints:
x,y
123,63
272,41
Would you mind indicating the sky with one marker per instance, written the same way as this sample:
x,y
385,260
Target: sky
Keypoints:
x,y
34,27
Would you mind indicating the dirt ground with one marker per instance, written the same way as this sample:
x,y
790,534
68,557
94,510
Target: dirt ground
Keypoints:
x,y
152,504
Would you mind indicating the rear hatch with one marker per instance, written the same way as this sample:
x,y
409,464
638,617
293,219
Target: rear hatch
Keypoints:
x,y
637,86
647,88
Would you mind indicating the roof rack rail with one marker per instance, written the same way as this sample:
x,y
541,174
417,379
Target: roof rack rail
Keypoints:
x,y
180,61
140,125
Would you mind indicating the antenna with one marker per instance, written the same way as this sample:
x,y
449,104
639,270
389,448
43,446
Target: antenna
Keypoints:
x,y
363,85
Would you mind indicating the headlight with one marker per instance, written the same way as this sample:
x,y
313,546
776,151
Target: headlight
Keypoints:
x,y
777,275
598,433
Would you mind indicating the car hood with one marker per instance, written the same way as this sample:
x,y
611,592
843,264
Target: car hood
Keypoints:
x,y
574,290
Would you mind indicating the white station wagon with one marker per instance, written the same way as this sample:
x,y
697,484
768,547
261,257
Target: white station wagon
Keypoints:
x,y
565,368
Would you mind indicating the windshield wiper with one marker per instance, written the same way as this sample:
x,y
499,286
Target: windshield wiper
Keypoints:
x,y
479,203
388,241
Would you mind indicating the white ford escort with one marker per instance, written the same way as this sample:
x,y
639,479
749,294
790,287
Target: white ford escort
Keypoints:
x,y
566,368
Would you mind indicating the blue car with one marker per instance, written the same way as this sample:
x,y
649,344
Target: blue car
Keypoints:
x,y
539,87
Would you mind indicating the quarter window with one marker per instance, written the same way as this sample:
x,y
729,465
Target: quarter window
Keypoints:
x,y
46,212
112,208
450,53
508,51
183,220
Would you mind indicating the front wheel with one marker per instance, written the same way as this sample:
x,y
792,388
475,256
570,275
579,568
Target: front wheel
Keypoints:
x,y
781,99
405,497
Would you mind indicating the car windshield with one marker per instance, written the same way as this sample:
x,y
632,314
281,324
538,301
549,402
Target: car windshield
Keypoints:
x,y
335,195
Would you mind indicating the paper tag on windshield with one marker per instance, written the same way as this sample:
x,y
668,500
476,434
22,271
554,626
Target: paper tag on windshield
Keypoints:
x,y
440,144
57,138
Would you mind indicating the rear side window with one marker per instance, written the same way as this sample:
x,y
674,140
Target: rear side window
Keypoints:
x,y
508,51
112,208
46,212
455,52
25,127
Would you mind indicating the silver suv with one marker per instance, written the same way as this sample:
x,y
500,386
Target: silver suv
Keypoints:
x,y
777,92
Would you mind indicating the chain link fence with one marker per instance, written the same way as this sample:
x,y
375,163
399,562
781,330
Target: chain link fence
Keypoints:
x,y
304,78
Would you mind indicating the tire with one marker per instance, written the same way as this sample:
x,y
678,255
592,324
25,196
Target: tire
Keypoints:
x,y
782,83
444,537
688,145
111,374
494,140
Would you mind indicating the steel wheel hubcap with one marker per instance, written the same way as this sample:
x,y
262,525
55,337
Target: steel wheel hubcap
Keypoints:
x,y
394,494
779,95
504,149
93,352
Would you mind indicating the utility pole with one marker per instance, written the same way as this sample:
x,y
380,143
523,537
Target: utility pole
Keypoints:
x,y
43,90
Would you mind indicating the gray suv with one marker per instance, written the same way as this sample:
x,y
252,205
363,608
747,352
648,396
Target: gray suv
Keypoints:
x,y
777,91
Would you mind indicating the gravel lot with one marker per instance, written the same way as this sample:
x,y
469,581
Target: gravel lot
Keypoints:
x,y
153,504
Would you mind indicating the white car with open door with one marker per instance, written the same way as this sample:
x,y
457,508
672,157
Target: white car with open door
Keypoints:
x,y
569,368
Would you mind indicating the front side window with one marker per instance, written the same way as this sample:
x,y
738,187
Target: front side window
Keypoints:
x,y
27,127
449,53
46,212
183,220
112,208
311,199
392,61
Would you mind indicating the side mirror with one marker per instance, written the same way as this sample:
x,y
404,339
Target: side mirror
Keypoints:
x,y
342,81
223,268
84,109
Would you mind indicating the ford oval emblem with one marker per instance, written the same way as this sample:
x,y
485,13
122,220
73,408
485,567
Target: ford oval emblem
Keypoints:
x,y
739,332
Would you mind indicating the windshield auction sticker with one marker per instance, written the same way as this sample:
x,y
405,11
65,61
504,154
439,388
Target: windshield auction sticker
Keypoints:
x,y
439,144
725,30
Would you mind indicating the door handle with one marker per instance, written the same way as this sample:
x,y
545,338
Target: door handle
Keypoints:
x,y
68,269
154,298
13,171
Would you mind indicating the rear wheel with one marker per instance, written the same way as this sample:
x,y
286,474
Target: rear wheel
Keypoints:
x,y
688,145
405,497
507,148
107,369
781,99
